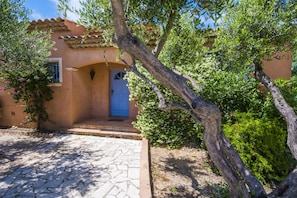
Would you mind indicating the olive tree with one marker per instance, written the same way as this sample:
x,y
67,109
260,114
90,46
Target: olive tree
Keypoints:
x,y
125,18
23,55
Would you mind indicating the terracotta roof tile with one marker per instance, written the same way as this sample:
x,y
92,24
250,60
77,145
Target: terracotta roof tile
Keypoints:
x,y
84,41
56,25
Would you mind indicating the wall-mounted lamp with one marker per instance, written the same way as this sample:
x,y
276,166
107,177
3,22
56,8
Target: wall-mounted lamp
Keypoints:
x,y
92,74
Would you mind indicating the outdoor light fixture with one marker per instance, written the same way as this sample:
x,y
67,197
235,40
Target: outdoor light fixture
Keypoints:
x,y
92,74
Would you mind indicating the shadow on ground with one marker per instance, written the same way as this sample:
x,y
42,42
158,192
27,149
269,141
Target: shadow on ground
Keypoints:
x,y
185,173
46,167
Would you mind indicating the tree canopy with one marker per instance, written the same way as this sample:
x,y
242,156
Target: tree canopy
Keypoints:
x,y
23,55
256,30
248,32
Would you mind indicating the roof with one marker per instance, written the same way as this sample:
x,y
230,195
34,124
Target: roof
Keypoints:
x,y
79,37
91,39
84,41
56,25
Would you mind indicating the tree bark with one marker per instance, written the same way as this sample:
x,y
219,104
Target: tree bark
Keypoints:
x,y
226,159
288,187
283,107
167,30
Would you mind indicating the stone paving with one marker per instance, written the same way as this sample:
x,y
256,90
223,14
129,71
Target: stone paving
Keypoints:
x,y
69,166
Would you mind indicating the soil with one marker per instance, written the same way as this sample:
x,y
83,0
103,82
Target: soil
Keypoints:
x,y
185,172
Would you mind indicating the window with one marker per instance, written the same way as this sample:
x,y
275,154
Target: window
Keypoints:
x,y
54,66
119,76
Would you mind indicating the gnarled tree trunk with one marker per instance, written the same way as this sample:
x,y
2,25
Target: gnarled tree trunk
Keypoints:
x,y
287,188
227,160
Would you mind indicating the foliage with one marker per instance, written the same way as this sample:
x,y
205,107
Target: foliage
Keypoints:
x,y
97,14
172,128
229,90
294,64
23,55
32,87
260,135
246,34
185,46
260,142
221,190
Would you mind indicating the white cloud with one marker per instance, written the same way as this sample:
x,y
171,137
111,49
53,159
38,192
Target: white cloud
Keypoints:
x,y
75,3
72,4
36,15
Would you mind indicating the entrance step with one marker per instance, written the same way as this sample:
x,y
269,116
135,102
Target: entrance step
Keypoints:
x,y
110,126
104,133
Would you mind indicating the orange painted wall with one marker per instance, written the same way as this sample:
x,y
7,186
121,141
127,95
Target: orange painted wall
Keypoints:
x,y
279,67
81,94
11,114
91,98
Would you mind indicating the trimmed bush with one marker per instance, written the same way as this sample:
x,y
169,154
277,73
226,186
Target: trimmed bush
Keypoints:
x,y
261,143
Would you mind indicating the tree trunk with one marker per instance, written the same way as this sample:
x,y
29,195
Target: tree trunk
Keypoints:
x,y
285,110
288,187
220,150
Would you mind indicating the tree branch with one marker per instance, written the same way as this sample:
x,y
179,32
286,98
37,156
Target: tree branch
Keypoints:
x,y
197,86
119,19
162,101
287,188
244,172
283,107
160,72
164,37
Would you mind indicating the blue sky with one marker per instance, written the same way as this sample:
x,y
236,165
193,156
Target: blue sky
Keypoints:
x,y
47,9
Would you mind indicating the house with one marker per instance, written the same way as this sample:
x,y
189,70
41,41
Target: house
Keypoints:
x,y
89,81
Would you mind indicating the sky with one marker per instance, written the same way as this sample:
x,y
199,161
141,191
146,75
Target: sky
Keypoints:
x,y
47,9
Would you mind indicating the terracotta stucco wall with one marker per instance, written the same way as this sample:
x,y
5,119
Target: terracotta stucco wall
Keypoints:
x,y
93,98
11,114
279,67
100,90
60,109
81,94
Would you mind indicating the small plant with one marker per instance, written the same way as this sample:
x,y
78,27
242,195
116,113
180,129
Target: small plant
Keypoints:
x,y
220,190
32,87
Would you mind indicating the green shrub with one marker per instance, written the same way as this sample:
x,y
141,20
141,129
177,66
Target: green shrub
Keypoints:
x,y
32,87
230,91
171,128
261,143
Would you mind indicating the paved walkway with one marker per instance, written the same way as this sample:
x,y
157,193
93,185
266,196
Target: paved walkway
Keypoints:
x,y
69,166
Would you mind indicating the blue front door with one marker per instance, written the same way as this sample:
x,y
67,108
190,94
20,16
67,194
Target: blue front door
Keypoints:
x,y
119,94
